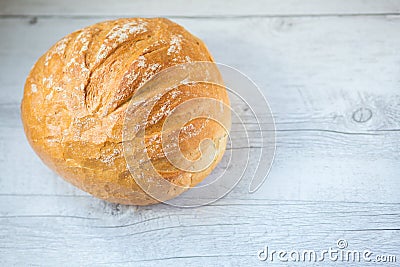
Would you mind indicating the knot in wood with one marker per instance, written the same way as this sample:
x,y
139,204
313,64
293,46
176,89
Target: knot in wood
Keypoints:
x,y
362,115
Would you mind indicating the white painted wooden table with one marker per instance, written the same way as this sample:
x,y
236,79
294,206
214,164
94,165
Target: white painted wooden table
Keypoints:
x,y
331,72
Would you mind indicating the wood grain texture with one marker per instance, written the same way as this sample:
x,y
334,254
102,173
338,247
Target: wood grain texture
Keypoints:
x,y
83,230
205,8
332,82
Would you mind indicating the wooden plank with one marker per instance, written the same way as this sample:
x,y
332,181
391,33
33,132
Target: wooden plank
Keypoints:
x,y
84,231
308,166
207,8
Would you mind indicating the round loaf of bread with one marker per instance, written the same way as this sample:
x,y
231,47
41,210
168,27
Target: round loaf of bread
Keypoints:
x,y
77,95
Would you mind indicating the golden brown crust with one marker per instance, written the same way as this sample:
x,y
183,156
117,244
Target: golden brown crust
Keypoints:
x,y
77,93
